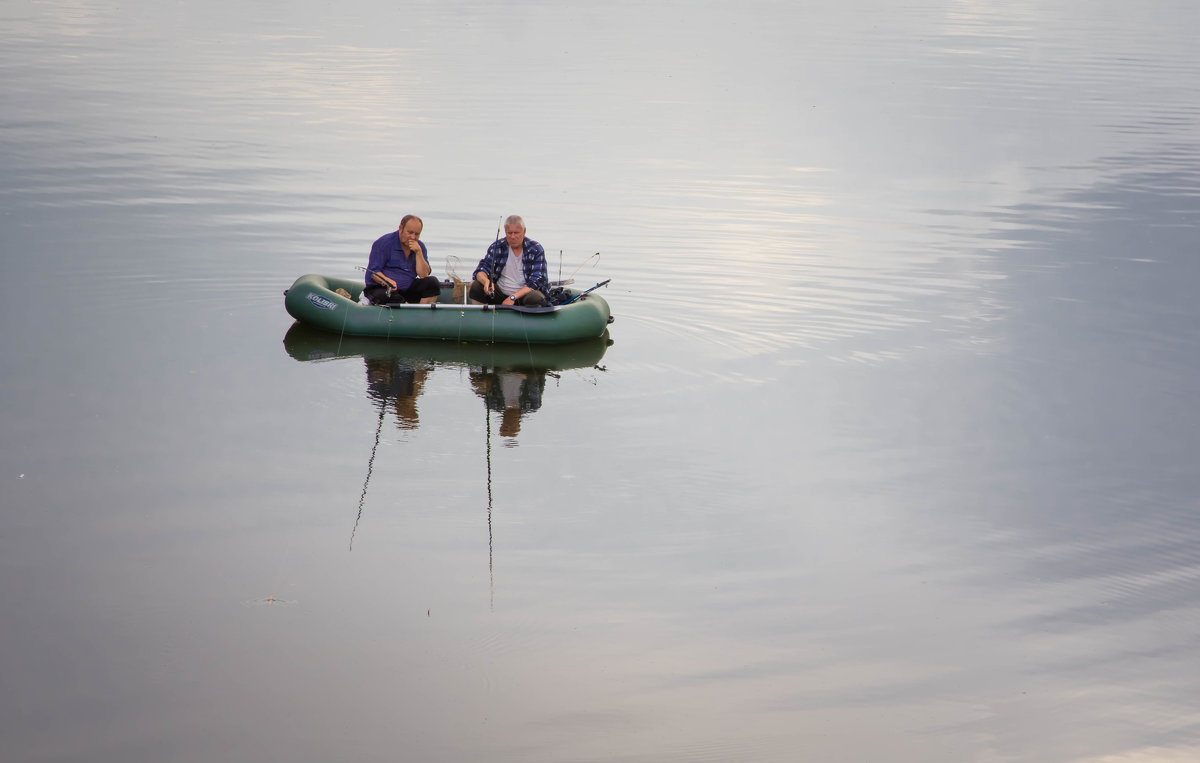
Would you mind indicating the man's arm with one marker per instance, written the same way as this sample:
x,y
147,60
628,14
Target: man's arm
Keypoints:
x,y
422,265
537,277
383,280
375,263
482,278
483,271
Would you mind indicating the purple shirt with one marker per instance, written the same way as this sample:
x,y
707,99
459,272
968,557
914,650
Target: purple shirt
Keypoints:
x,y
386,258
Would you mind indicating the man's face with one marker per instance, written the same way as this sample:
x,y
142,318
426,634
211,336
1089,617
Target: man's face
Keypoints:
x,y
515,235
410,232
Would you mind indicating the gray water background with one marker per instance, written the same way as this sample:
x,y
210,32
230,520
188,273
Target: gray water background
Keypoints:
x,y
892,456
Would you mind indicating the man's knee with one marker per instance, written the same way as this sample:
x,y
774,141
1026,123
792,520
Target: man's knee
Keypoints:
x,y
423,288
376,294
429,286
534,299
477,293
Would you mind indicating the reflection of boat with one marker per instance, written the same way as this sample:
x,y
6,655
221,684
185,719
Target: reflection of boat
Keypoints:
x,y
312,300
509,378
305,343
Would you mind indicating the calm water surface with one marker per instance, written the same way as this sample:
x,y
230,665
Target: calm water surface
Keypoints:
x,y
889,455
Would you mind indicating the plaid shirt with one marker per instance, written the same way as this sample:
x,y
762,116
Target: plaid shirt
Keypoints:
x,y
533,263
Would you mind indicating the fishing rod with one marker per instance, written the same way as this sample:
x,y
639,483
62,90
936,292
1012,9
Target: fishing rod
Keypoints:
x,y
585,291
387,290
486,270
491,276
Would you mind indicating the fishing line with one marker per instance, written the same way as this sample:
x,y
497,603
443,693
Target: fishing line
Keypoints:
x,y
342,334
528,345
452,263
571,277
279,578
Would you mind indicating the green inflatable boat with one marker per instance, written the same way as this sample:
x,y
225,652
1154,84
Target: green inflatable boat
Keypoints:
x,y
308,344
313,301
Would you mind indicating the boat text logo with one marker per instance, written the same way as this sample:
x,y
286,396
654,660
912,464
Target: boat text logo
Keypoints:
x,y
321,302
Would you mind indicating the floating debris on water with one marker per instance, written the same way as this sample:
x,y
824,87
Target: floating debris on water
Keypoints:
x,y
269,601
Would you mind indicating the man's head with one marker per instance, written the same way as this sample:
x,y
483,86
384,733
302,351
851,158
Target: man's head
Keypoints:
x,y
410,228
514,231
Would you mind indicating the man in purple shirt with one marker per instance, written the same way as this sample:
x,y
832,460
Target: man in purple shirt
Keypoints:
x,y
398,270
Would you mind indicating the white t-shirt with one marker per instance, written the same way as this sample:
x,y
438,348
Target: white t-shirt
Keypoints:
x,y
513,277
510,386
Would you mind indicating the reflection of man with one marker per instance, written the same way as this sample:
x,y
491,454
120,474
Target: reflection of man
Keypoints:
x,y
510,393
398,269
512,271
399,380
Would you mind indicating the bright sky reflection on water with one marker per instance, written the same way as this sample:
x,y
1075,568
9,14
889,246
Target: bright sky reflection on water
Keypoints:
x,y
890,455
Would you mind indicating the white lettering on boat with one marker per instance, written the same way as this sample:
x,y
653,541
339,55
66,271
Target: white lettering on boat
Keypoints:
x,y
321,302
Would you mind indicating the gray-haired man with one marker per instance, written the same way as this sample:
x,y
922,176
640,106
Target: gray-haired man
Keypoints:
x,y
513,271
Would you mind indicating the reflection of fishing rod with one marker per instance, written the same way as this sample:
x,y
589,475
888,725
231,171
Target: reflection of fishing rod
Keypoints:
x,y
488,441
585,291
370,467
